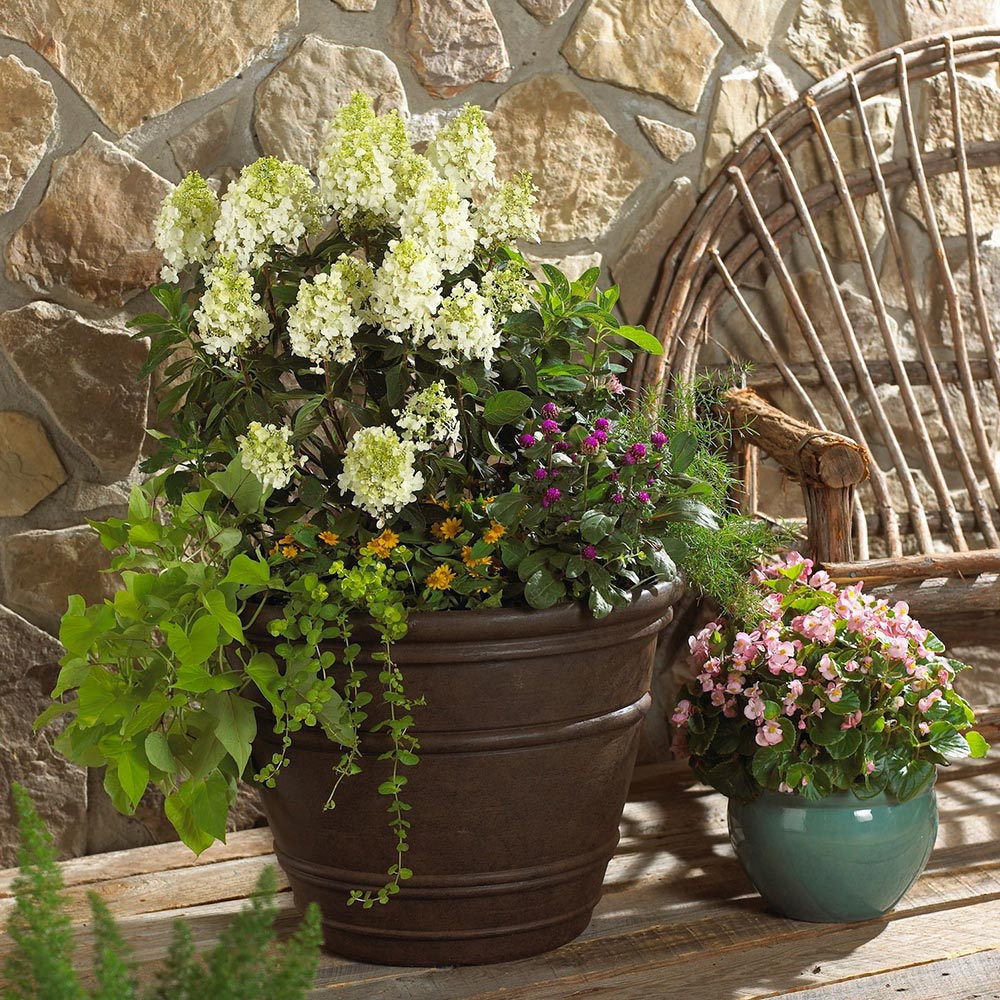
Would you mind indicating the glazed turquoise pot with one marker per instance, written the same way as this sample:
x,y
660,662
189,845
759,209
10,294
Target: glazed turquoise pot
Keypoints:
x,y
838,859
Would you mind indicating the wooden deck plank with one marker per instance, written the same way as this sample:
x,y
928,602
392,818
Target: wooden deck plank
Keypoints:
x,y
157,858
971,977
676,909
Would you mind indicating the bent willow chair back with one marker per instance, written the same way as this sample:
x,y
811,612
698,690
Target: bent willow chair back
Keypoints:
x,y
850,249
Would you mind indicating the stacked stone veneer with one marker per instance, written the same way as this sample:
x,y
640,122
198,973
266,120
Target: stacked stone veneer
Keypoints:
x,y
623,109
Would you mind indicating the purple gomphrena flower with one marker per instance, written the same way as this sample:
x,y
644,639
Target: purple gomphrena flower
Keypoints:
x,y
618,498
590,445
651,480
602,423
541,474
644,497
561,446
550,410
527,440
589,552
637,450
614,475
628,458
552,494
658,438
600,435
549,427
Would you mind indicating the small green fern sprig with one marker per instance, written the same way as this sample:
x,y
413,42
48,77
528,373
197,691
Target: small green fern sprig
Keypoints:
x,y
248,963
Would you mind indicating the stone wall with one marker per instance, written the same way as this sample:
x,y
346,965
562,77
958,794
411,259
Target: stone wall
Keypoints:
x,y
622,108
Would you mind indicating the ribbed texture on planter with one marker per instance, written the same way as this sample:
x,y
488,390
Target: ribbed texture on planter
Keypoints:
x,y
528,740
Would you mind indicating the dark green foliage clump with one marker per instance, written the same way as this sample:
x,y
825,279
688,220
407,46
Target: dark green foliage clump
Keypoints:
x,y
248,963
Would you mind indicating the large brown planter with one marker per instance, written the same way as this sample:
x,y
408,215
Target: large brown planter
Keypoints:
x,y
528,739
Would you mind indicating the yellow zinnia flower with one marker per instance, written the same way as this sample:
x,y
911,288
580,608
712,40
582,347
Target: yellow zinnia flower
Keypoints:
x,y
449,528
330,537
383,544
440,578
494,533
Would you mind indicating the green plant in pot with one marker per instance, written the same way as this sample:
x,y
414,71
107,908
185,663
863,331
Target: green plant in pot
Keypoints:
x,y
824,718
403,553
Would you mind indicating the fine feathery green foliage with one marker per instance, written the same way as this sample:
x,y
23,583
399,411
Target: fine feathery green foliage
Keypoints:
x,y
248,963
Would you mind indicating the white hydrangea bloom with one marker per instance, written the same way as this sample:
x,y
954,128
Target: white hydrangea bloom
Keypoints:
x,y
438,218
429,417
508,214
271,204
464,327
380,472
230,318
266,452
507,290
326,313
463,151
366,164
184,225
406,289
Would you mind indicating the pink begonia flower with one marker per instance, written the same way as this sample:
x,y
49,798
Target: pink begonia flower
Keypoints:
x,y
850,666
924,727
734,684
718,696
788,706
898,702
729,710
827,667
835,691
785,788
795,689
944,677
707,681
755,706
745,645
818,708
772,605
769,734
924,705
852,720
681,713
869,766
898,648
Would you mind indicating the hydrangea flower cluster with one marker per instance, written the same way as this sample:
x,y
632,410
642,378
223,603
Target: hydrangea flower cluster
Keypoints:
x,y
429,417
326,314
380,472
508,214
506,290
266,452
185,225
271,204
464,327
438,219
836,688
406,289
463,152
366,165
230,319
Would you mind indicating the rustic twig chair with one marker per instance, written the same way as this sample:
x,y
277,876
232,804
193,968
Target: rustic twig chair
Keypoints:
x,y
821,217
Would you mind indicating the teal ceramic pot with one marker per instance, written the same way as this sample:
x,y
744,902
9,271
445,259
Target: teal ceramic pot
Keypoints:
x,y
839,859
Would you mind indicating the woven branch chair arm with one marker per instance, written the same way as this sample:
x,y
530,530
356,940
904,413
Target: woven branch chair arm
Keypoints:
x,y
808,454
